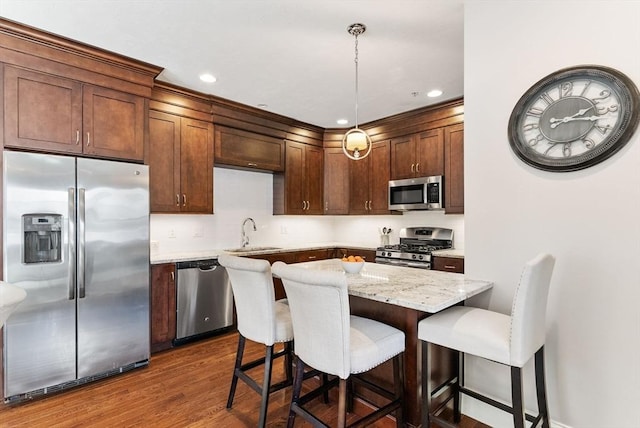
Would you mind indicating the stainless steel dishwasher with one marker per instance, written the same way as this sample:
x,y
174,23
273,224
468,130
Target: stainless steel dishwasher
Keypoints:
x,y
204,300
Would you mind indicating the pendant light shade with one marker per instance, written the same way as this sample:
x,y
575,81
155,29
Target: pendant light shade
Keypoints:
x,y
356,144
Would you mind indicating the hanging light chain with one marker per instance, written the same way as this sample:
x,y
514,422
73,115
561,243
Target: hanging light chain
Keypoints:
x,y
356,30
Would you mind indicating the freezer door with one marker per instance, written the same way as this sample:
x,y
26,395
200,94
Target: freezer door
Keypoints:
x,y
113,265
40,337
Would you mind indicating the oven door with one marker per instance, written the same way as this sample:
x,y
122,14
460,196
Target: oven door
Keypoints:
x,y
403,263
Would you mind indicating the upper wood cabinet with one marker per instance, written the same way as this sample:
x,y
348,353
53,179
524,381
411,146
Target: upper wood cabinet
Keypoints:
x,y
299,189
418,155
454,169
369,182
248,150
56,114
336,181
180,164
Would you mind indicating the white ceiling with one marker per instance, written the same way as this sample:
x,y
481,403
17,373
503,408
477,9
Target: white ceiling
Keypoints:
x,y
296,56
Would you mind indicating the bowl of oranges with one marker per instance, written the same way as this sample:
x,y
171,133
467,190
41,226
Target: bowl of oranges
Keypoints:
x,y
352,264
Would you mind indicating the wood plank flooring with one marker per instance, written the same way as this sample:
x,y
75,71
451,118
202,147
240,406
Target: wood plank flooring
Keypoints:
x,y
183,387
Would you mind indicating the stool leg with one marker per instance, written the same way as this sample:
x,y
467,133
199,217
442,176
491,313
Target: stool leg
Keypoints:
x,y
234,379
541,389
268,364
398,381
516,397
456,387
426,392
288,362
342,404
295,394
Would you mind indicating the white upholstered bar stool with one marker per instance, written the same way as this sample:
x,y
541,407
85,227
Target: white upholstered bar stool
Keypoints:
x,y
334,342
509,340
261,319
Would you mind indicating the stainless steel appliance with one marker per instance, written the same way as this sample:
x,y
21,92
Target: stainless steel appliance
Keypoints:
x,y
204,299
423,193
415,247
76,238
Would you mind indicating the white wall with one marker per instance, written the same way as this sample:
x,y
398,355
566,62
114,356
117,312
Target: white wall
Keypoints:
x,y
241,194
588,219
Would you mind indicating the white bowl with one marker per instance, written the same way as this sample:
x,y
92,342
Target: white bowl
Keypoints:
x,y
352,267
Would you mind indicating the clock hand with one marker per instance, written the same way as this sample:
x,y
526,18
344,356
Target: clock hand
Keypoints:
x,y
580,112
571,119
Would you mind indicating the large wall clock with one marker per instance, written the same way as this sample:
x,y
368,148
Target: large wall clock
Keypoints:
x,y
574,118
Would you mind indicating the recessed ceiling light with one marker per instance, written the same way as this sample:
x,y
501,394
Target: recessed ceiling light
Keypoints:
x,y
434,93
209,78
262,105
342,121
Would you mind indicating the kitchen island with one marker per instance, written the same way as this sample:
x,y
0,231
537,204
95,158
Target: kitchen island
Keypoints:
x,y
401,297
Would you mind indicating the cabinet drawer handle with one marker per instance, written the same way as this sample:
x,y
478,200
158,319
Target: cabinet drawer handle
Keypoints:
x,y
77,136
184,199
173,276
88,138
252,164
312,257
449,267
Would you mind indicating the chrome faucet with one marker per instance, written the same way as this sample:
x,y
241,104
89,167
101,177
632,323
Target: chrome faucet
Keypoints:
x,y
245,238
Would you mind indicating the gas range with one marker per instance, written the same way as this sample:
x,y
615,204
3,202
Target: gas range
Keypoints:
x,y
415,247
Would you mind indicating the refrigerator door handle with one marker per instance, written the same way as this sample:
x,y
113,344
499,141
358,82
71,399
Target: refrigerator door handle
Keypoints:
x,y
71,204
81,242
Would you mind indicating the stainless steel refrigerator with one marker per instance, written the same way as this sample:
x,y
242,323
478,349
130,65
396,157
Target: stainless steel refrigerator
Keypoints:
x,y
76,238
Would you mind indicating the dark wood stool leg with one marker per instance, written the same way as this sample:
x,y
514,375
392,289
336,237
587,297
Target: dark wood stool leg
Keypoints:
x,y
288,362
541,389
516,397
342,404
234,379
268,364
456,387
295,394
398,380
426,392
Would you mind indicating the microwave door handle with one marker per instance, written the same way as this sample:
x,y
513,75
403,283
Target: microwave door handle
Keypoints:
x,y
71,236
81,242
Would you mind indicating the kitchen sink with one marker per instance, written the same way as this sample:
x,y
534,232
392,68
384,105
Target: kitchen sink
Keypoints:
x,y
251,249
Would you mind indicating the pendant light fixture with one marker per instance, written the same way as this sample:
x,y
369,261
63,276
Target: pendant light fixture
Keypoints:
x,y
356,144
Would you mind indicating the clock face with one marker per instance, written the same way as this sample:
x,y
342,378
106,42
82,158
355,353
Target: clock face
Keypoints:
x,y
574,118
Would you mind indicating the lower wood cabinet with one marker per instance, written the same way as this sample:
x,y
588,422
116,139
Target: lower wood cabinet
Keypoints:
x,y
163,306
448,264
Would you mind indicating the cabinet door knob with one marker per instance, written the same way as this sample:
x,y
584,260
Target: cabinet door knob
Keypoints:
x,y
184,199
88,138
173,276
418,167
77,136
177,200
413,167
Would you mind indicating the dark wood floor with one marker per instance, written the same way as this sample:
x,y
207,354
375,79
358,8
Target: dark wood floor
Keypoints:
x,y
183,387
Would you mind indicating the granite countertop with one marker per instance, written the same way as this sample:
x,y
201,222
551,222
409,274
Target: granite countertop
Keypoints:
x,y
173,257
421,289
450,252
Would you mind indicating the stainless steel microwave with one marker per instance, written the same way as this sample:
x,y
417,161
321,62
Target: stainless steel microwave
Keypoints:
x,y
423,193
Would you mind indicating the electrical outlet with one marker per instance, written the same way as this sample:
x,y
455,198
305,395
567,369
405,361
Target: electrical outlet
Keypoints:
x,y
172,233
283,230
198,233
154,246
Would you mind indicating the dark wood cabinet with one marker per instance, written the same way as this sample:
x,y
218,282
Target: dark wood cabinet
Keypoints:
x,y
163,306
180,164
245,149
336,181
367,255
417,155
299,190
369,182
56,114
454,169
448,264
